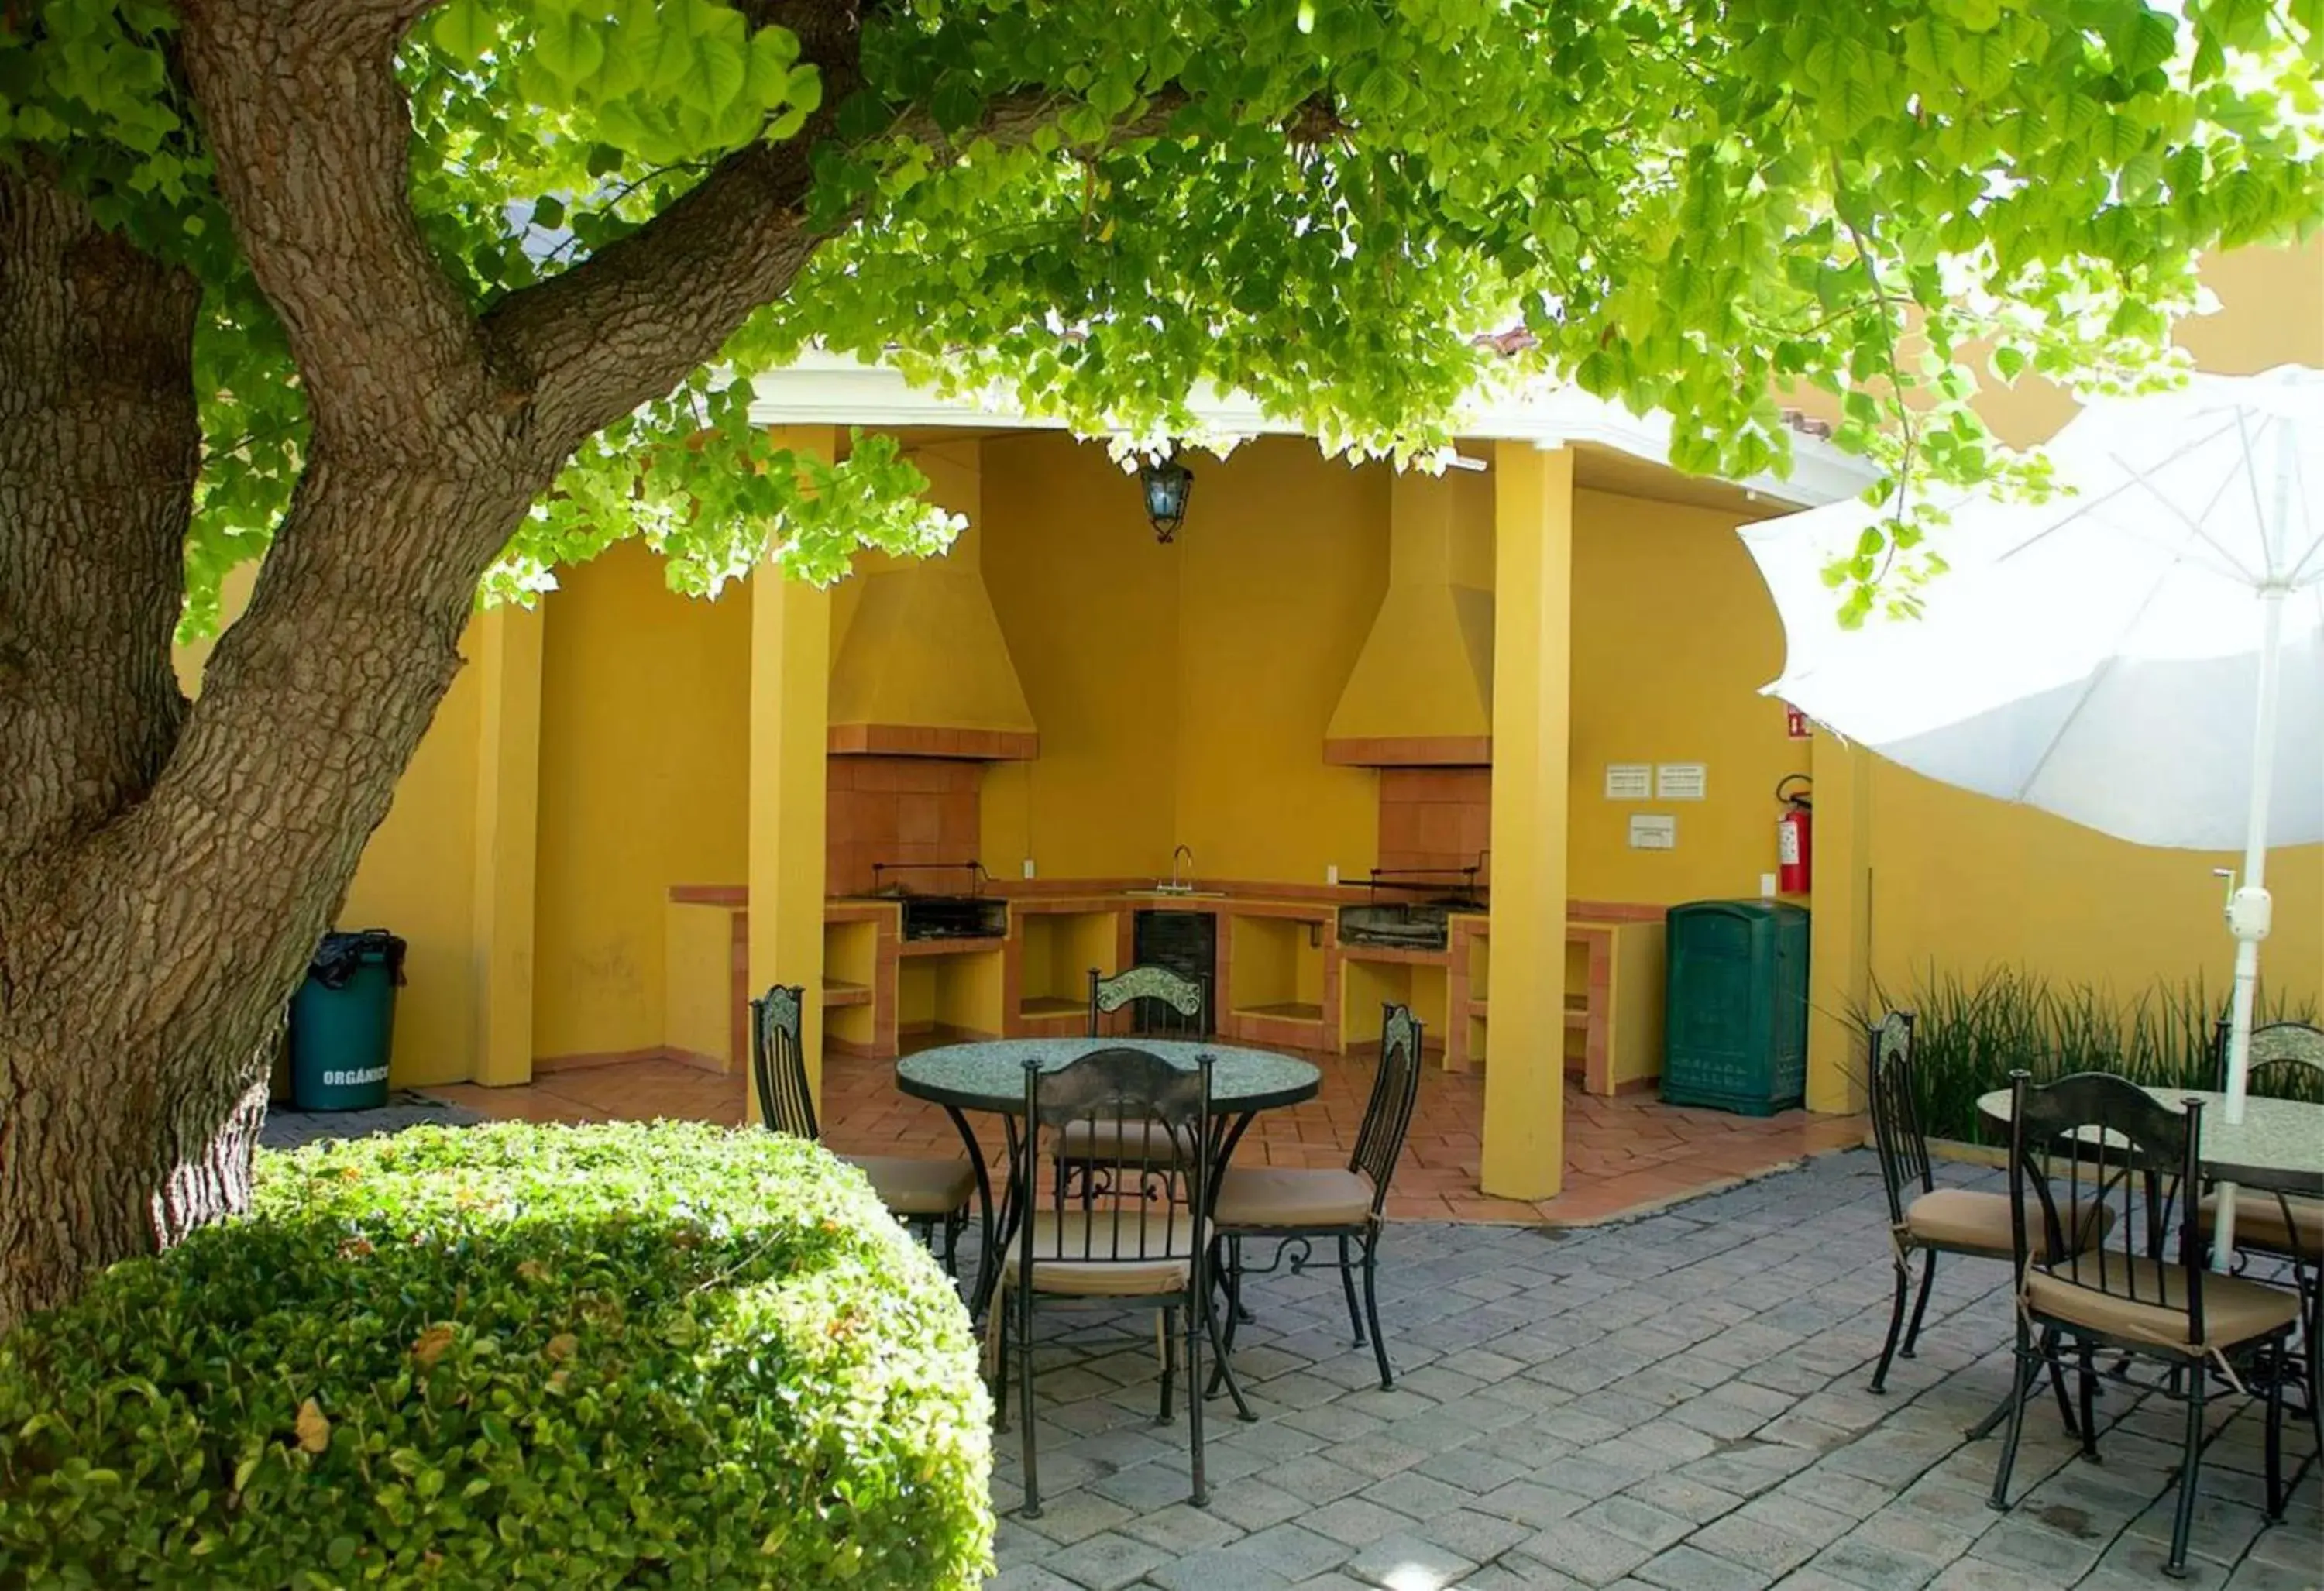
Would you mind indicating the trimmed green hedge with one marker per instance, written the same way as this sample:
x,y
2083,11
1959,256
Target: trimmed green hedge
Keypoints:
x,y
510,1356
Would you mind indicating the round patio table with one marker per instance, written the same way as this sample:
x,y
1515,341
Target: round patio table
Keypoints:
x,y
2278,1146
989,1075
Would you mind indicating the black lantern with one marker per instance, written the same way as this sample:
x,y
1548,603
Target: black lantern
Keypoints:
x,y
1168,484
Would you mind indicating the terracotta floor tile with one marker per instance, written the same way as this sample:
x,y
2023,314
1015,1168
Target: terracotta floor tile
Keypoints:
x,y
1621,1153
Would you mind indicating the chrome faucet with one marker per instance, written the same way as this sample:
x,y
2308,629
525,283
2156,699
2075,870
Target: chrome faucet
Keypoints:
x,y
1189,855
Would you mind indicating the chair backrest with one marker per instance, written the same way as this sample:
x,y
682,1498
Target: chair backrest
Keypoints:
x,y
1896,1134
1147,1154
1387,1114
2096,1140
778,1061
2286,1061
1170,1003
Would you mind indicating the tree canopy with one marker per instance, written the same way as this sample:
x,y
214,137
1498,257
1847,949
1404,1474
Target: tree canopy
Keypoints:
x,y
1101,204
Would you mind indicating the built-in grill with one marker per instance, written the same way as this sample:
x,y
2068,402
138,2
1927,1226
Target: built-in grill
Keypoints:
x,y
954,917
973,916
1412,925
1400,925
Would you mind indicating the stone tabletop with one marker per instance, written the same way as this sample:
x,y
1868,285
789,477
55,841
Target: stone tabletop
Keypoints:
x,y
991,1075
2278,1144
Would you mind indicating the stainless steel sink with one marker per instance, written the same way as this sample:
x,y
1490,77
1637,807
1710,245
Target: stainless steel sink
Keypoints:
x,y
1176,892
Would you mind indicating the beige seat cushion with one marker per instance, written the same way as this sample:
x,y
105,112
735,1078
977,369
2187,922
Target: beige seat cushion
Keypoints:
x,y
2234,1310
1131,1143
1285,1196
2260,1223
1060,1243
917,1187
1961,1218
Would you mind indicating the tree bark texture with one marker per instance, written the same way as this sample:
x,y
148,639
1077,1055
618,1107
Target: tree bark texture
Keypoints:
x,y
166,868
98,447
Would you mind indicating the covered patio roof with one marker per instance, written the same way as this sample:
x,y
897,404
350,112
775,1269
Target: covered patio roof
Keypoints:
x,y
821,387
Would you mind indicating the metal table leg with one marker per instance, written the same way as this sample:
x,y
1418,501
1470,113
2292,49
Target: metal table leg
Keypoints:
x,y
988,1246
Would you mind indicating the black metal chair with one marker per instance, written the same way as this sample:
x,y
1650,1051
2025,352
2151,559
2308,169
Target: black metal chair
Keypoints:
x,y
2141,1290
1143,1237
1167,1005
1924,1218
927,1194
2286,1061
1294,1206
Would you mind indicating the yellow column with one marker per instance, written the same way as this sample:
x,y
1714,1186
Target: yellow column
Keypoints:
x,y
790,708
507,661
1840,936
1525,1071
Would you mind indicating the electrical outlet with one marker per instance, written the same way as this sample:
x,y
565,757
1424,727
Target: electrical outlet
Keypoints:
x,y
1331,873
1029,867
1767,887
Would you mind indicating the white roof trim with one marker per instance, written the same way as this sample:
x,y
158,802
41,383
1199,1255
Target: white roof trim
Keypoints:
x,y
821,387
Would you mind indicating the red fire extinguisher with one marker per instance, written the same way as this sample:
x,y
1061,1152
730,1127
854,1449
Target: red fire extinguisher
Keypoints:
x,y
1795,836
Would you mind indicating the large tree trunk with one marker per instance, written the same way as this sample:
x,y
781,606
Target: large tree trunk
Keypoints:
x,y
165,870
98,447
164,867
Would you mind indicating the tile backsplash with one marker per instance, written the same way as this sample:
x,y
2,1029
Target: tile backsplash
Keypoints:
x,y
1436,817
899,809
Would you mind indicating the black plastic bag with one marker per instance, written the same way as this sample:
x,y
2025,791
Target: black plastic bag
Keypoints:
x,y
339,954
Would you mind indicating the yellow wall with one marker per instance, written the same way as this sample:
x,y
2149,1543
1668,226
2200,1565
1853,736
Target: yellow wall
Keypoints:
x,y
699,989
1966,883
644,776
1089,605
1284,562
1672,637
1182,692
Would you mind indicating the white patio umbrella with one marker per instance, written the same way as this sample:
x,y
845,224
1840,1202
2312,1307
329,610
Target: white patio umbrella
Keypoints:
x,y
2143,654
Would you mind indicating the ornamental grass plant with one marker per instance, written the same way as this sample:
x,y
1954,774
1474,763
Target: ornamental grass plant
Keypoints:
x,y
1970,1032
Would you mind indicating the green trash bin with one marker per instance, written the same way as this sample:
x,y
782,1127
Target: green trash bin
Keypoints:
x,y
343,1022
1735,1025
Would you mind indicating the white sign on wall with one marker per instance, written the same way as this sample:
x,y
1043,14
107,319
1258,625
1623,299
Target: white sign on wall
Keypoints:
x,y
1679,781
1629,781
1649,833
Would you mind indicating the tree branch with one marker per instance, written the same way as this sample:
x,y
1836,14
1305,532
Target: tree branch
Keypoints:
x,y
312,136
628,324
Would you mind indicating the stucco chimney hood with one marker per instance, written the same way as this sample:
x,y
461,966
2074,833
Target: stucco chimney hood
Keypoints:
x,y
924,670
1421,694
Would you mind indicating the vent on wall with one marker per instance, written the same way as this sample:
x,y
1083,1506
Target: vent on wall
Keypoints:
x,y
1421,693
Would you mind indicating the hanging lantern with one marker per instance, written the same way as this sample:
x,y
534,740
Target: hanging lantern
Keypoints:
x,y
1168,484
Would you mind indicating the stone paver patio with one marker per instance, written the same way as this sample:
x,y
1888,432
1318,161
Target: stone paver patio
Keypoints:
x,y
1676,1402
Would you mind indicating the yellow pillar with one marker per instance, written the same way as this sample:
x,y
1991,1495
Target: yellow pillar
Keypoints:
x,y
1525,1071
790,707
1840,936
506,643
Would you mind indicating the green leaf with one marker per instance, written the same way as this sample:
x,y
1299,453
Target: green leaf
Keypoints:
x,y
461,27
723,71
2142,39
568,43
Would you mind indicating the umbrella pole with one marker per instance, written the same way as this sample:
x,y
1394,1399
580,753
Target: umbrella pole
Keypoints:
x,y
2250,907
